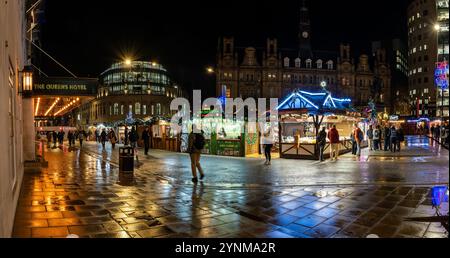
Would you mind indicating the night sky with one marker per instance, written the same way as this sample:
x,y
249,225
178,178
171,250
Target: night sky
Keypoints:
x,y
87,36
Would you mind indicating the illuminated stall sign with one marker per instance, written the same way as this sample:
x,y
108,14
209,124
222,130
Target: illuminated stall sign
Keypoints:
x,y
65,86
441,75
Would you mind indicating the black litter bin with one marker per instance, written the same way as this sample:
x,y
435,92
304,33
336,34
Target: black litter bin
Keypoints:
x,y
126,159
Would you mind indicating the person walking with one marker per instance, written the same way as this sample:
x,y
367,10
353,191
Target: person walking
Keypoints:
x,y
377,138
352,139
267,142
69,137
81,135
146,139
196,143
321,142
387,137
400,137
133,137
112,138
393,140
55,137
49,138
103,138
359,137
126,135
333,137
369,135
61,137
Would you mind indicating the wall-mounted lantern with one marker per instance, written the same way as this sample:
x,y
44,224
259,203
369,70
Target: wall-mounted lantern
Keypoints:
x,y
26,85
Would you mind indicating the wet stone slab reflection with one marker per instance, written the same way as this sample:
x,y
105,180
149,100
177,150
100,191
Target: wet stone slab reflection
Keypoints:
x,y
81,194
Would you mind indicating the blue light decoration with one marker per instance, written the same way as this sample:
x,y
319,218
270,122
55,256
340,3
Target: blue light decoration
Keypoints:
x,y
441,75
314,102
439,194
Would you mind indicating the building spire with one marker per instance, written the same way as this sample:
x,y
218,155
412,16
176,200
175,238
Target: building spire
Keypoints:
x,y
304,33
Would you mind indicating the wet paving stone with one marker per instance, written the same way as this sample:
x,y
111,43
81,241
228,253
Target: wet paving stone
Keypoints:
x,y
49,232
284,219
310,221
355,231
413,229
155,232
384,230
322,231
119,234
326,212
301,212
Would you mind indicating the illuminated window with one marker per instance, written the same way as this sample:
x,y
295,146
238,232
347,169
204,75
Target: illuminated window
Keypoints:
x,y
419,70
144,109
297,62
319,64
158,108
121,109
286,62
308,63
425,46
137,108
228,93
330,65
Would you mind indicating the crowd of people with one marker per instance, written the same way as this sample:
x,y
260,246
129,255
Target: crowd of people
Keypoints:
x,y
72,136
440,133
386,138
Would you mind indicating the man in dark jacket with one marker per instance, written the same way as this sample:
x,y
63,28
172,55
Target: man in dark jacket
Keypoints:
x,y
321,141
103,137
133,137
146,139
393,139
387,137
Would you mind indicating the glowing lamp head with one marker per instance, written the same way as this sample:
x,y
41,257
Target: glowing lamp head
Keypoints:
x,y
128,62
437,27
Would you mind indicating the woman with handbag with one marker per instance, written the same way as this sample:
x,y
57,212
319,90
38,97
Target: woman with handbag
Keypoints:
x,y
112,138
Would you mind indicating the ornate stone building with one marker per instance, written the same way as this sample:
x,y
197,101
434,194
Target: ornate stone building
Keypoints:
x,y
274,72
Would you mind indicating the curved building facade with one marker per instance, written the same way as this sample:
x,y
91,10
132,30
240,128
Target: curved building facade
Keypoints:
x,y
139,90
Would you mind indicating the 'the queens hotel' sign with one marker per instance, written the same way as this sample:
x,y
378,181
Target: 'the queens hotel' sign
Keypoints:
x,y
65,86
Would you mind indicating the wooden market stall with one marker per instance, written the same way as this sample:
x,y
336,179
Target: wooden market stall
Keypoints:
x,y
302,115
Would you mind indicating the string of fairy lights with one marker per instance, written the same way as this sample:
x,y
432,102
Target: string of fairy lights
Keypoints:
x,y
68,106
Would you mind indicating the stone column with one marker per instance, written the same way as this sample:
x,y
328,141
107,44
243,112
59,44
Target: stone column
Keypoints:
x,y
29,152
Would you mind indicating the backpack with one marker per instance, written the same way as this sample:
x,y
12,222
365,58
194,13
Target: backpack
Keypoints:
x,y
199,141
360,135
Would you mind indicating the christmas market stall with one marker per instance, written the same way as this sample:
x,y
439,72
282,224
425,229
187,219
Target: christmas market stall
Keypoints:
x,y
303,114
224,137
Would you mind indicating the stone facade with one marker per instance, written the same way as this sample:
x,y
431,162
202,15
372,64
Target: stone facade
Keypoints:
x,y
12,61
274,72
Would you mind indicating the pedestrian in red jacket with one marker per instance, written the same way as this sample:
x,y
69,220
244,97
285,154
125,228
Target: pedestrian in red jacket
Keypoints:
x,y
333,137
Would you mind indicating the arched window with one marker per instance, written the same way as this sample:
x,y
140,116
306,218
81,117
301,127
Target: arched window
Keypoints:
x,y
319,64
297,62
330,65
121,109
144,109
116,109
158,108
308,63
137,108
286,62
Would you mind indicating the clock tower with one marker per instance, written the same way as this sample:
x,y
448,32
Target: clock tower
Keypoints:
x,y
304,34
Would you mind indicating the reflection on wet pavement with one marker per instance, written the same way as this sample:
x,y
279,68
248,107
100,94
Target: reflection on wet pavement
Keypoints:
x,y
83,193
